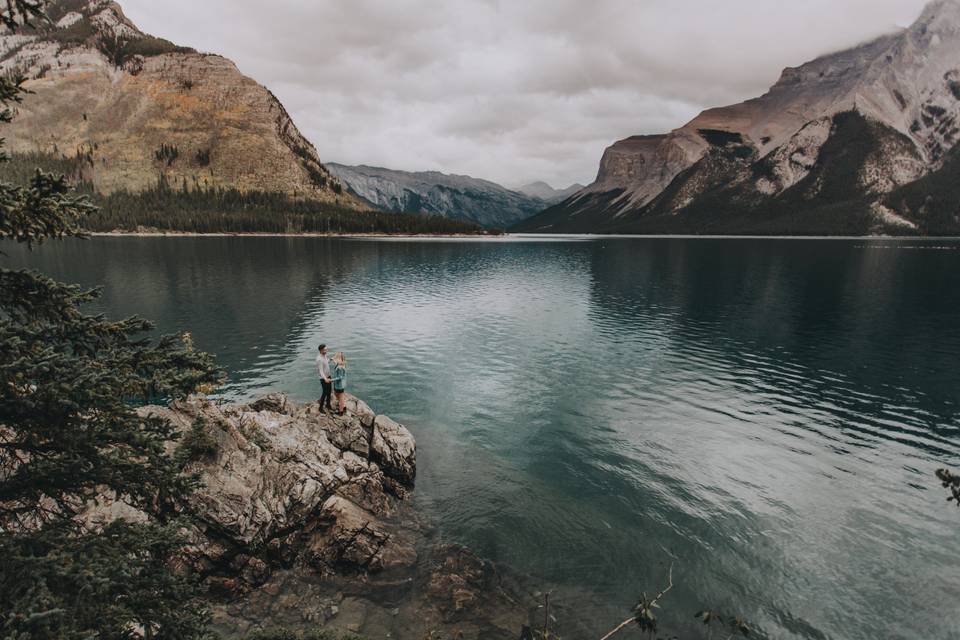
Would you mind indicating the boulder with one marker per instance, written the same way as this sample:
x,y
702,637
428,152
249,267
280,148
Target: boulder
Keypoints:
x,y
394,449
354,539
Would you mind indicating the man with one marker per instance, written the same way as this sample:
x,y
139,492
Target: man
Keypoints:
x,y
323,369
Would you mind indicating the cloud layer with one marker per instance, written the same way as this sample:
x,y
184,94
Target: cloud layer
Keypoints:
x,y
509,90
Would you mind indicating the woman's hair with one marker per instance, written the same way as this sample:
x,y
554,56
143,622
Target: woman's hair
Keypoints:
x,y
339,358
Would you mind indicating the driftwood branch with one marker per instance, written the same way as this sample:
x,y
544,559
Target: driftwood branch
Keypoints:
x,y
626,623
620,627
669,586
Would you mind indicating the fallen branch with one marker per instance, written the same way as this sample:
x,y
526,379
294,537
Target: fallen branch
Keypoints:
x,y
644,615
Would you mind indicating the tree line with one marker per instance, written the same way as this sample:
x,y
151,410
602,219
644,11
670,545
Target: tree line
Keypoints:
x,y
209,209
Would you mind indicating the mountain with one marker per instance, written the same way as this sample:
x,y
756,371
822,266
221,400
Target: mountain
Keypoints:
x,y
545,192
850,143
135,108
460,197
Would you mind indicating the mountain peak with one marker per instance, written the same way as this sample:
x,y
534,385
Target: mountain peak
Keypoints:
x,y
105,17
896,99
939,10
137,109
547,193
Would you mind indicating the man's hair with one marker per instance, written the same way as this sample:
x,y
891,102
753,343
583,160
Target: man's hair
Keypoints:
x,y
321,347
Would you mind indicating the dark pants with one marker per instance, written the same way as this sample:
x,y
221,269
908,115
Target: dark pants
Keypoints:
x,y
325,396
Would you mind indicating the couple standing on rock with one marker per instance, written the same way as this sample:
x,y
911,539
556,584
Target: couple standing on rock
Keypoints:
x,y
333,376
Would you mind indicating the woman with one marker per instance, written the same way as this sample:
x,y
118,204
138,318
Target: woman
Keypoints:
x,y
338,364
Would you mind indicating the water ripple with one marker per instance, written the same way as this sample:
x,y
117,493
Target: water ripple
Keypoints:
x,y
765,414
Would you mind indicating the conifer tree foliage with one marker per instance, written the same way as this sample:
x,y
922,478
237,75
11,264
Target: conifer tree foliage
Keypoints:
x,y
69,432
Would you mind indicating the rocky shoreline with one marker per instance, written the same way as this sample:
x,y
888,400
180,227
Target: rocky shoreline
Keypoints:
x,y
302,521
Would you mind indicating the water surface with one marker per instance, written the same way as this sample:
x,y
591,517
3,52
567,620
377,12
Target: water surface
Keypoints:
x,y
764,414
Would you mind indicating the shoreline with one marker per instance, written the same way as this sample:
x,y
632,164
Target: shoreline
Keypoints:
x,y
499,236
265,234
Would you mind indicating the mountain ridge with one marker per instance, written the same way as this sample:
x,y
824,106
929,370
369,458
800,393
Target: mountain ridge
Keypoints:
x,y
454,196
548,193
139,110
751,157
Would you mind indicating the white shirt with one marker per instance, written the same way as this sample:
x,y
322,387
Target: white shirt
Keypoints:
x,y
323,367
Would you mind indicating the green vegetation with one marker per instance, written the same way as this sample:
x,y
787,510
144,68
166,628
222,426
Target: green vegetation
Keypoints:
x,y
309,164
70,433
57,9
202,157
933,201
197,443
119,50
720,138
198,209
287,634
21,168
950,482
167,154
954,87
253,432
218,210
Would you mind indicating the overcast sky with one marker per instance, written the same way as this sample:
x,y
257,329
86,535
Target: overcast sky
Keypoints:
x,y
509,90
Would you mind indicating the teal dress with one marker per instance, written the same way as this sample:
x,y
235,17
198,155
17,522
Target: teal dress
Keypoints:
x,y
339,375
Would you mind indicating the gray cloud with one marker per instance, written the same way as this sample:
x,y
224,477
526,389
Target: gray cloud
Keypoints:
x,y
509,90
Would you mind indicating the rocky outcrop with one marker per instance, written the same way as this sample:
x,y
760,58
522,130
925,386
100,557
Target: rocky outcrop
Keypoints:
x,y
460,197
135,108
284,484
883,115
301,520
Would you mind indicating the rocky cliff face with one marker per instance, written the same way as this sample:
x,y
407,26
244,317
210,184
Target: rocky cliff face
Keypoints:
x,y
765,165
135,108
461,197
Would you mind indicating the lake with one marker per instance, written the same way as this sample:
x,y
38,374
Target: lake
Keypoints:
x,y
764,415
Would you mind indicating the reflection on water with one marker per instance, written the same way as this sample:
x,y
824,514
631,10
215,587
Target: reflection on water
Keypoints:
x,y
766,415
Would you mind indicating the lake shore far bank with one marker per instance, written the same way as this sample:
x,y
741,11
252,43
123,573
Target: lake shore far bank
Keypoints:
x,y
258,234
503,236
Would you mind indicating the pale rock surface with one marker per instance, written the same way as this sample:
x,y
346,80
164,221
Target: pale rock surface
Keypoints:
x,y
907,82
453,196
289,484
229,130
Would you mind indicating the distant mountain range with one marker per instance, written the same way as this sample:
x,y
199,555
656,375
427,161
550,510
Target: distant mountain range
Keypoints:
x,y
135,108
545,192
857,142
460,197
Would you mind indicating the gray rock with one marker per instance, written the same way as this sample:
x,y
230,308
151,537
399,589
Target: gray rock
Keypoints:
x,y
394,449
288,482
905,85
460,197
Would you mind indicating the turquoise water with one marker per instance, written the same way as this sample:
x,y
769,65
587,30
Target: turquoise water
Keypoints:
x,y
766,415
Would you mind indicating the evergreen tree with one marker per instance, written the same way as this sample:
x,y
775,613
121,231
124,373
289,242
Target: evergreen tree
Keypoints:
x,y
69,432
